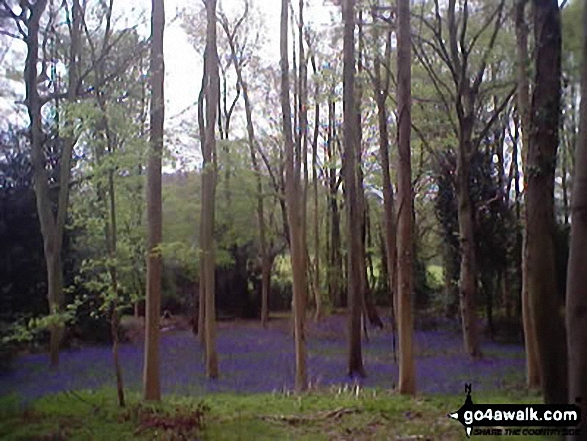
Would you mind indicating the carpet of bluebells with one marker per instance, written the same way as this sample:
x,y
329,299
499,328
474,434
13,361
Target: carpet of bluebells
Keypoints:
x,y
253,359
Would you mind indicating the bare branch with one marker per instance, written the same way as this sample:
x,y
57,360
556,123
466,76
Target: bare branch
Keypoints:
x,y
495,115
482,29
10,34
483,65
433,77
452,31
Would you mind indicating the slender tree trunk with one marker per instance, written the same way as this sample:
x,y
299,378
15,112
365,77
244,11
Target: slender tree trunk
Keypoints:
x,y
564,186
111,239
302,123
114,317
52,225
292,188
389,227
253,147
209,177
317,290
370,308
468,271
46,220
577,276
201,301
545,306
407,371
55,295
368,312
351,146
450,270
151,379
523,105
334,261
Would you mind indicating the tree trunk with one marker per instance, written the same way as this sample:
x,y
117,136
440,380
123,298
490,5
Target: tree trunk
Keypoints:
x,y
55,296
351,147
523,104
52,225
334,258
209,176
292,188
545,307
576,276
302,151
264,251
564,176
468,270
317,290
265,288
151,380
407,371
201,301
111,245
389,227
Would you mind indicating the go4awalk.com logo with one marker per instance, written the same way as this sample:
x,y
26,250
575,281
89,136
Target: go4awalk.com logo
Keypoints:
x,y
517,419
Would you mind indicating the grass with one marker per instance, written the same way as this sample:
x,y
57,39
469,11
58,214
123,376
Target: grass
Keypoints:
x,y
327,414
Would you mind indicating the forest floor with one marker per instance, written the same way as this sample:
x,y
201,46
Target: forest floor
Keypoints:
x,y
369,414
253,394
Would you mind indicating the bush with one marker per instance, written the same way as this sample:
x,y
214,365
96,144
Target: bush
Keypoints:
x,y
7,347
7,353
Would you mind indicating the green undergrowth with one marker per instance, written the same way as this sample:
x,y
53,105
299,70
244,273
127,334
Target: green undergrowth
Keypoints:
x,y
332,414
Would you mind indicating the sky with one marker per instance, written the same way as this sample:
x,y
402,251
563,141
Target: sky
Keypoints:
x,y
183,64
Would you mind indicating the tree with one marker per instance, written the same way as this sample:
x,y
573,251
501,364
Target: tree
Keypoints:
x,y
407,372
351,148
576,308
107,143
545,306
523,107
316,231
209,173
36,23
381,88
52,221
151,380
463,95
293,195
238,60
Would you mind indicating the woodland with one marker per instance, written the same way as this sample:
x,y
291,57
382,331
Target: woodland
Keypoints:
x,y
330,243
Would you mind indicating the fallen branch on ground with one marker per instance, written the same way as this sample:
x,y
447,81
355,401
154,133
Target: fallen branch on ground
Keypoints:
x,y
324,415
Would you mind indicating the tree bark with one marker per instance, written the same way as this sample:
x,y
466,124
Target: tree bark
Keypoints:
x,y
317,290
545,306
293,193
151,380
114,317
523,107
209,177
407,371
389,224
52,225
334,258
201,301
351,148
302,145
468,285
576,307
